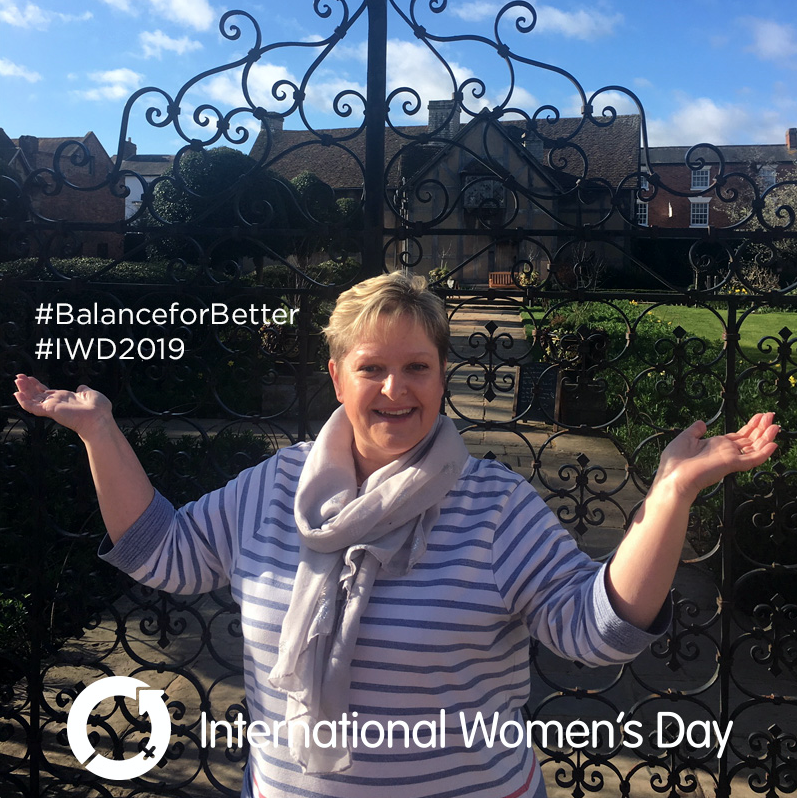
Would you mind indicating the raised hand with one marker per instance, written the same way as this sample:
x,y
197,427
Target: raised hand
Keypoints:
x,y
84,411
642,570
123,488
691,462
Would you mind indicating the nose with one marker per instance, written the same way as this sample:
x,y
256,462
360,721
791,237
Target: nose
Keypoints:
x,y
394,385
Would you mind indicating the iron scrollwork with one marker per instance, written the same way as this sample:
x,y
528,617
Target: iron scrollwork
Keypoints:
x,y
547,361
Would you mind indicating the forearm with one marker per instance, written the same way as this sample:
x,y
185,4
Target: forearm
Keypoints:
x,y
123,488
641,573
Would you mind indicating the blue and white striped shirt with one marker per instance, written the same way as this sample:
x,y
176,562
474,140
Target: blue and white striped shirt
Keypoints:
x,y
452,636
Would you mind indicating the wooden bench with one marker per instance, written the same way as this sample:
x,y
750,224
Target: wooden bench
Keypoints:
x,y
501,280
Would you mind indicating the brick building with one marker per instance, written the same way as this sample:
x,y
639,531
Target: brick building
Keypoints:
x,y
693,202
67,180
486,175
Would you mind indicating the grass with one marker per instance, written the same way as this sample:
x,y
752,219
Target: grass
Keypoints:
x,y
708,325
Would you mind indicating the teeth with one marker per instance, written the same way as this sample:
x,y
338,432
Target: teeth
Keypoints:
x,y
395,412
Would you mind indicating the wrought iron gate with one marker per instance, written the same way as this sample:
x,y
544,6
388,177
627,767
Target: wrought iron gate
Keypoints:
x,y
574,359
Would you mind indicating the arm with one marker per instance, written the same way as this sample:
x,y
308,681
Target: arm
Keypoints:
x,y
641,573
123,488
557,589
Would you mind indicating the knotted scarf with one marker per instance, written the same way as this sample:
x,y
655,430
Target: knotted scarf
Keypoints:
x,y
346,535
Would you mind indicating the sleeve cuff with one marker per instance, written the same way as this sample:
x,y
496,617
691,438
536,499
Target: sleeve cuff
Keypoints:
x,y
622,635
136,545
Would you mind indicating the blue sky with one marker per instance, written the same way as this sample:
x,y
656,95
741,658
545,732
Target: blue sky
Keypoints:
x,y
722,71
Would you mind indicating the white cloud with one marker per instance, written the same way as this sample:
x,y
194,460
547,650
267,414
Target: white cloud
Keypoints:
x,y
33,16
475,11
585,24
121,5
191,128
29,16
524,100
197,14
700,119
621,103
413,64
153,44
9,69
58,16
226,88
321,91
773,41
113,84
351,52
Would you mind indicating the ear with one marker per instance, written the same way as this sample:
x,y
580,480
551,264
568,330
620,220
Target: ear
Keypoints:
x,y
333,373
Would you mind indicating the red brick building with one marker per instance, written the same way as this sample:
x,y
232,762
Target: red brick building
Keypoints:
x,y
692,201
71,184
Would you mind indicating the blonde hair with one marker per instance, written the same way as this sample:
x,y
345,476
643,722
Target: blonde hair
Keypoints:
x,y
382,301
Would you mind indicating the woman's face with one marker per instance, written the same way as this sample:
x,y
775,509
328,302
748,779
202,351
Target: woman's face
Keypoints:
x,y
391,386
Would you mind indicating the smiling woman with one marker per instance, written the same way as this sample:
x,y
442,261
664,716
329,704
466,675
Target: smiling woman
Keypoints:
x,y
391,386
387,579
390,378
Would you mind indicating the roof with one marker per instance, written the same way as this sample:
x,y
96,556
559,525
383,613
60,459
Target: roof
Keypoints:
x,y
7,147
39,152
732,153
148,165
612,151
297,151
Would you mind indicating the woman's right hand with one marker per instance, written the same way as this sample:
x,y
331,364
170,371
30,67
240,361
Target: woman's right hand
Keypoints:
x,y
84,411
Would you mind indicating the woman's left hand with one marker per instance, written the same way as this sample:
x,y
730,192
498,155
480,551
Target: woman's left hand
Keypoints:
x,y
691,462
642,570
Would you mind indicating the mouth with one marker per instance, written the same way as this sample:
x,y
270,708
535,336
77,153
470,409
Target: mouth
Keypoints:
x,y
395,414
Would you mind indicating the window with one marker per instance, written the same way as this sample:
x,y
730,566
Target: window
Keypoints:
x,y
642,213
701,178
483,193
768,175
699,212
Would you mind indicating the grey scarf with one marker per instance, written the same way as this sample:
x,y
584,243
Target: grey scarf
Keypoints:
x,y
346,536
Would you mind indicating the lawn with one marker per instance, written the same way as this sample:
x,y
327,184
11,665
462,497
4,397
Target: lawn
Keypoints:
x,y
705,324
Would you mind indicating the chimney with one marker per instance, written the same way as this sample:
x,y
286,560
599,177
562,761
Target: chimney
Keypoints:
x,y
533,144
439,122
29,145
129,149
791,138
274,122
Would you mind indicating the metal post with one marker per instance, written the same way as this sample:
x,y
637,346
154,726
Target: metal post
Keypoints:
x,y
727,576
375,116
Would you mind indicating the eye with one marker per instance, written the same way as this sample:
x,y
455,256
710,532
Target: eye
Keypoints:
x,y
419,366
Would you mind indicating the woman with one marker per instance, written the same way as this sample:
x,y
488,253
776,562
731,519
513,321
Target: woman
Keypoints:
x,y
388,582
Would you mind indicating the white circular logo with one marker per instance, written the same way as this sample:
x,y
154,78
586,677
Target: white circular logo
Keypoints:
x,y
150,702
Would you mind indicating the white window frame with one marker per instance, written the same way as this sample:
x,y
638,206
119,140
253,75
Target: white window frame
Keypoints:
x,y
701,179
642,213
695,203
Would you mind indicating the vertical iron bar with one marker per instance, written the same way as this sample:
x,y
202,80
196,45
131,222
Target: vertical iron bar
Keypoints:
x,y
36,608
304,368
726,549
375,116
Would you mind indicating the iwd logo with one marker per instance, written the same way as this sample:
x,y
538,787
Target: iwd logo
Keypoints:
x,y
150,702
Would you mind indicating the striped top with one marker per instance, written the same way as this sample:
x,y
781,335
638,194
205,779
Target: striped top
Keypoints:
x,y
437,647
